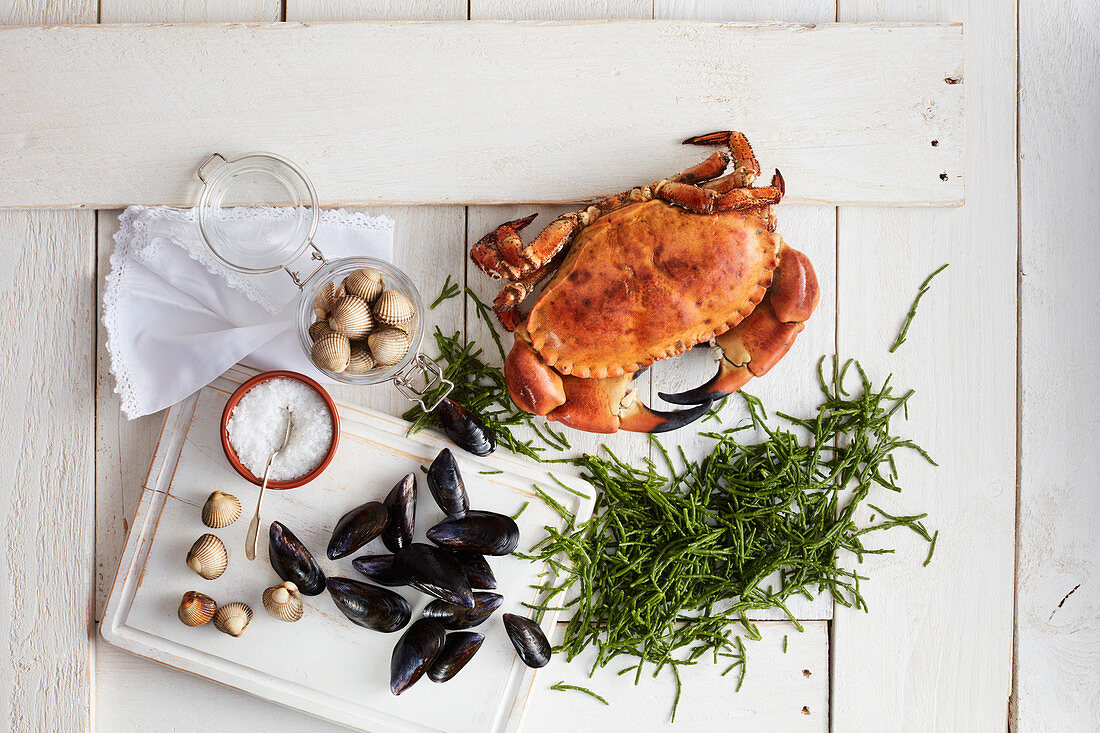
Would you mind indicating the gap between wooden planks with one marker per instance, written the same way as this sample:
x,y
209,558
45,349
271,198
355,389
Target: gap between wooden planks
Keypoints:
x,y
478,112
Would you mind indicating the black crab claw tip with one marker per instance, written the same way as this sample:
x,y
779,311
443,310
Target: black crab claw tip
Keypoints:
x,y
711,138
679,418
777,181
703,394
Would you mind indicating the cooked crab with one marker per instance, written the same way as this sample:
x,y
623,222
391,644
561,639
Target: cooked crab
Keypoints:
x,y
646,275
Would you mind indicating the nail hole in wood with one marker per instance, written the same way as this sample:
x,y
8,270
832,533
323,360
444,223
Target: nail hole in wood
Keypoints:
x,y
806,673
943,176
935,143
952,80
805,710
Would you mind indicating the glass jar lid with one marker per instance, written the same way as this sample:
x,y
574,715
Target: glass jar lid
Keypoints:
x,y
228,211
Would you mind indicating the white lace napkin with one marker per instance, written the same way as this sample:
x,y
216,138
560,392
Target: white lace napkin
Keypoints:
x,y
177,317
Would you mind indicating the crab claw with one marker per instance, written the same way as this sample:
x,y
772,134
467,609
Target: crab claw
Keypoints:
x,y
639,418
497,253
611,404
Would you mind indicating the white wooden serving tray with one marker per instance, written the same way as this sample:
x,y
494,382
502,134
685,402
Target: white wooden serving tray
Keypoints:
x,y
323,664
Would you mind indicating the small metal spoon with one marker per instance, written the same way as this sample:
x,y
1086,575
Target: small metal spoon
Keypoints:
x,y
254,525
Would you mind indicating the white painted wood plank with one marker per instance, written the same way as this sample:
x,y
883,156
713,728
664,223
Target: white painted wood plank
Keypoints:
x,y
47,263
324,10
47,454
187,11
137,123
563,10
1057,663
783,692
933,652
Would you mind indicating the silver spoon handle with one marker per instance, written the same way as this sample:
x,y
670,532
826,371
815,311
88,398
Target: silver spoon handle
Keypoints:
x,y
254,526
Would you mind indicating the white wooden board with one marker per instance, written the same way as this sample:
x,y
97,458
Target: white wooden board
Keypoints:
x,y
108,116
1057,662
322,664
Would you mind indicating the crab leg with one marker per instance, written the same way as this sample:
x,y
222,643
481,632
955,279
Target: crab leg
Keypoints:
x,y
745,166
507,302
711,201
754,345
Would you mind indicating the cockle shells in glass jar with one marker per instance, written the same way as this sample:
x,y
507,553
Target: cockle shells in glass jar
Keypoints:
x,y
332,351
325,300
208,557
361,360
366,284
393,308
361,326
284,602
233,618
351,317
196,608
220,510
388,345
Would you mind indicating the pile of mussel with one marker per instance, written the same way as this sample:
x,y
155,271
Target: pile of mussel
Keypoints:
x,y
453,570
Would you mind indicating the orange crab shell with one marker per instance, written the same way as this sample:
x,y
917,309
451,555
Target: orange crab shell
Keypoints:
x,y
648,282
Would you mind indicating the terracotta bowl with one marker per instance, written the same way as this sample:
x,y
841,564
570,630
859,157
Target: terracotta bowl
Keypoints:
x,y
231,455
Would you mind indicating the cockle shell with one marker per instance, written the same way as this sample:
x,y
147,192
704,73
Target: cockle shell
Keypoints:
x,y
196,608
341,292
232,618
325,300
393,308
366,284
208,557
351,317
284,602
332,351
361,360
388,345
220,510
319,329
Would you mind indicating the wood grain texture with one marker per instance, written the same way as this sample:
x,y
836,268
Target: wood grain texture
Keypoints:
x,y
318,10
876,106
187,11
783,692
560,9
47,454
48,265
932,652
1057,680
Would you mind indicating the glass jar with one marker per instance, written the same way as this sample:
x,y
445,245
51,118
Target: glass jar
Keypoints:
x,y
257,246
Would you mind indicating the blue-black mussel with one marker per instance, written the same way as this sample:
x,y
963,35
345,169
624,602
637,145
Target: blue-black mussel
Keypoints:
x,y
356,528
465,428
477,570
459,617
401,504
292,561
458,649
445,483
414,653
484,533
370,606
435,572
380,569
528,639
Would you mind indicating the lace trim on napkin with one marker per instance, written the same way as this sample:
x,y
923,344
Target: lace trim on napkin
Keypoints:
x,y
132,240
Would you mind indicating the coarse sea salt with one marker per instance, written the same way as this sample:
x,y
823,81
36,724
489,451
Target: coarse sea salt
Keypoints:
x,y
258,424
